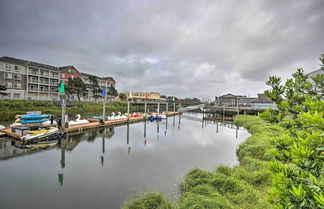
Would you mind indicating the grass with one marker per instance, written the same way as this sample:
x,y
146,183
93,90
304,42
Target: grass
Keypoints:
x,y
243,186
10,108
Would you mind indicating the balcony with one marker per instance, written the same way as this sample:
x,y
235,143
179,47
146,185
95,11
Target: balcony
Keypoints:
x,y
32,89
33,81
54,84
55,75
33,73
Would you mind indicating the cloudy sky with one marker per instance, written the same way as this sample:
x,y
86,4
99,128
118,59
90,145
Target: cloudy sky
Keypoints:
x,y
176,47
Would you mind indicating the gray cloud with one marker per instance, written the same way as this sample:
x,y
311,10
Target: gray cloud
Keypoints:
x,y
184,48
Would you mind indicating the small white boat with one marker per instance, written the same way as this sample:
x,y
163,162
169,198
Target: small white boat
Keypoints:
x,y
78,121
40,135
1,127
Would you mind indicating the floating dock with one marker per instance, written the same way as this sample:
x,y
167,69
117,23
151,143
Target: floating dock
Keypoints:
x,y
94,123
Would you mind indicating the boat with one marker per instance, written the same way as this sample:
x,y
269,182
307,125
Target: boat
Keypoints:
x,y
78,121
2,134
33,117
30,118
33,121
100,117
42,134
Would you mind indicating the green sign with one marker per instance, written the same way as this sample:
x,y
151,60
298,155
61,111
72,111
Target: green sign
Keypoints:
x,y
61,87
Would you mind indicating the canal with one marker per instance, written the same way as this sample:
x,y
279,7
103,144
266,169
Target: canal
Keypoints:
x,y
102,168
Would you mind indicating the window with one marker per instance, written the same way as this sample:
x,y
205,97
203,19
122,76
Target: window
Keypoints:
x,y
62,75
16,96
8,66
71,71
17,85
17,68
8,84
34,71
17,77
33,79
8,75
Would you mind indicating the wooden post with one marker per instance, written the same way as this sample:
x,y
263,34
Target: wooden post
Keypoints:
x,y
103,111
174,108
144,129
128,109
127,133
63,105
145,107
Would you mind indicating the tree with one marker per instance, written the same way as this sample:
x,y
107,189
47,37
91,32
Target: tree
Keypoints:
x,y
112,91
77,87
2,88
163,96
94,87
122,96
298,168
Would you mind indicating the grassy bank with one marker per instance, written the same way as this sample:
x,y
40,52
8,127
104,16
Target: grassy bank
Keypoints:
x,y
243,186
10,108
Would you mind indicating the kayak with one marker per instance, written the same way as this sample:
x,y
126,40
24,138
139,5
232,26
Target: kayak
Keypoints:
x,y
30,117
33,121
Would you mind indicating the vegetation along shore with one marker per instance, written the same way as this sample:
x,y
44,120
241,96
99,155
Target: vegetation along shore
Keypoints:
x,y
281,163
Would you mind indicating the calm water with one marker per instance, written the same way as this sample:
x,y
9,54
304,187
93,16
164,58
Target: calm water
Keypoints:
x,y
100,169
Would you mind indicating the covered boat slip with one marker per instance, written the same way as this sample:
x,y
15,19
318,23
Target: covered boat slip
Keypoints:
x,y
94,123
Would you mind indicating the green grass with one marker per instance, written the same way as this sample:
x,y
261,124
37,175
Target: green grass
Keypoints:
x,y
243,186
10,108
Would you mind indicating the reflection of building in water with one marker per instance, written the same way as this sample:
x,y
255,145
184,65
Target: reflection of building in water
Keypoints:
x,y
11,149
7,150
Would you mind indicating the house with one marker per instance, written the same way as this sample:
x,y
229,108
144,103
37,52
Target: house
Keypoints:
x,y
151,97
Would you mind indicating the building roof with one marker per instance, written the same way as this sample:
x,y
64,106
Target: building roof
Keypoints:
x,y
231,95
316,72
45,66
102,78
64,67
27,63
262,98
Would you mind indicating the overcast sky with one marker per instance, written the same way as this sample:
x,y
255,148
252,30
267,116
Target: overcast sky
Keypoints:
x,y
185,48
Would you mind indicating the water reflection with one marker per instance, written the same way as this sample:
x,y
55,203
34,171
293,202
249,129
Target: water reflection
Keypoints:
x,y
83,173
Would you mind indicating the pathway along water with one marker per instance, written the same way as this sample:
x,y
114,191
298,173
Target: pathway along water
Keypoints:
x,y
101,169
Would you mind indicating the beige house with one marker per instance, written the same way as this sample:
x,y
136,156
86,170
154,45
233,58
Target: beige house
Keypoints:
x,y
151,97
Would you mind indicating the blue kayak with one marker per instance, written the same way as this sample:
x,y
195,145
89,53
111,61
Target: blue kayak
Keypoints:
x,y
31,117
33,121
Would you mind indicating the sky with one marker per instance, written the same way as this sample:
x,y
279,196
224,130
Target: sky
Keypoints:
x,y
185,48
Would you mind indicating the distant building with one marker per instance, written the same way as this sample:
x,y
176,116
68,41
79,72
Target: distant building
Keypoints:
x,y
142,96
263,102
233,100
316,72
36,81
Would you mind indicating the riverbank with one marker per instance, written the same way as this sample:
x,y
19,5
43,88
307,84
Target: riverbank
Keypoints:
x,y
243,186
10,108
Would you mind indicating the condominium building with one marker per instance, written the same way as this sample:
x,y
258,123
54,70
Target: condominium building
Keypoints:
x,y
35,81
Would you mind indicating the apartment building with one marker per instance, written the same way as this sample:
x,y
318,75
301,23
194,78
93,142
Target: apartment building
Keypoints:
x,y
103,82
36,81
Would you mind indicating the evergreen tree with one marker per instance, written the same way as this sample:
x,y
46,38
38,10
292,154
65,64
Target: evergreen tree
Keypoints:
x,y
94,87
77,87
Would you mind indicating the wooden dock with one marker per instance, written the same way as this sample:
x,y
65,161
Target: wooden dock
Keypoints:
x,y
94,123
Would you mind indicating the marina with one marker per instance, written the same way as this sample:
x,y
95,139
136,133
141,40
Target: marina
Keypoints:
x,y
108,165
94,123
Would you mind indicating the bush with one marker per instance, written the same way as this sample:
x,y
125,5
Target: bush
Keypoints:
x,y
150,201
